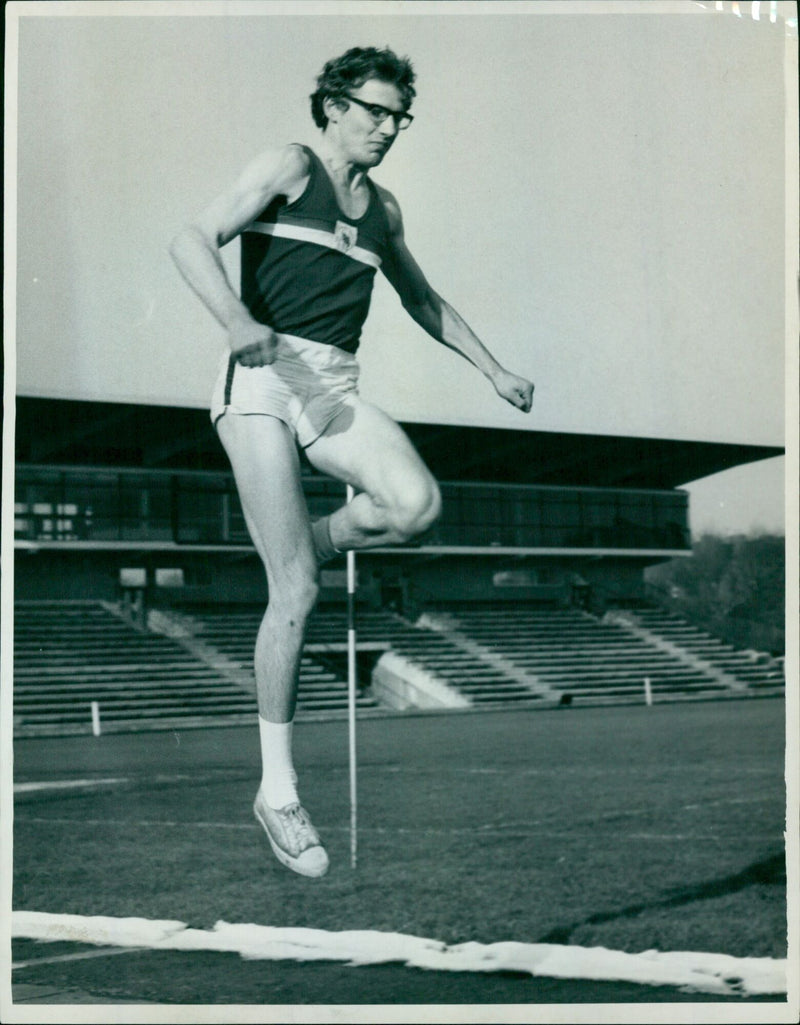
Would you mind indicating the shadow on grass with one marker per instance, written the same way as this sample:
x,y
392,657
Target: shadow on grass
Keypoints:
x,y
770,872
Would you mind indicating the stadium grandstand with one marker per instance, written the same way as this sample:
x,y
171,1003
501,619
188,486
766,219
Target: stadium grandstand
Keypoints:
x,y
137,587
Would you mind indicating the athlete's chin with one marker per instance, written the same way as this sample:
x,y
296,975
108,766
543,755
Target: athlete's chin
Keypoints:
x,y
375,155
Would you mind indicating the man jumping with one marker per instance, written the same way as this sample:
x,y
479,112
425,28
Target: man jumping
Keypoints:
x,y
314,229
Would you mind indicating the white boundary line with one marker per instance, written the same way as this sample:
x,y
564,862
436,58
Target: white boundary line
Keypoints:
x,y
719,974
84,955
516,829
64,784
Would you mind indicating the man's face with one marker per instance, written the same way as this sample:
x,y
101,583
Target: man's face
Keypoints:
x,y
364,140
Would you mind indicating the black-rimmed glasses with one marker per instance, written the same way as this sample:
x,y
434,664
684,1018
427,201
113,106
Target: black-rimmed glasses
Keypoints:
x,y
379,114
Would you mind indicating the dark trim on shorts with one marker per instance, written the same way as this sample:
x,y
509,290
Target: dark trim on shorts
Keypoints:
x,y
229,380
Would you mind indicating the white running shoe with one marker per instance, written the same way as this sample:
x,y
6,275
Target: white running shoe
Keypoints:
x,y
292,837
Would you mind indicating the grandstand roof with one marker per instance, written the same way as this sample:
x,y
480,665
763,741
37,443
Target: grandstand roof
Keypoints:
x,y
60,431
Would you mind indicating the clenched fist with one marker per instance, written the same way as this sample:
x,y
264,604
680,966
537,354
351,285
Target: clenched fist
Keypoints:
x,y
253,344
516,390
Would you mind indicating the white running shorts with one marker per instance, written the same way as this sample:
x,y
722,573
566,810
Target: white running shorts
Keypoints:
x,y
306,387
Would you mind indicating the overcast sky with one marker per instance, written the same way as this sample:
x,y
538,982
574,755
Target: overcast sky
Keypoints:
x,y
602,196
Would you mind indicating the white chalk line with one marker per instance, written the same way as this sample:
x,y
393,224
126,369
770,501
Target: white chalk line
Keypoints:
x,y
41,785
555,771
527,827
520,829
43,820
83,956
720,974
409,770
63,784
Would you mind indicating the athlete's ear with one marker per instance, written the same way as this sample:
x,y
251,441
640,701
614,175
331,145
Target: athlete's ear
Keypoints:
x,y
334,107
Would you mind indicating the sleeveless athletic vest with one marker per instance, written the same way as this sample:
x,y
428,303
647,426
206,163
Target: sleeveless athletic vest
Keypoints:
x,y
307,269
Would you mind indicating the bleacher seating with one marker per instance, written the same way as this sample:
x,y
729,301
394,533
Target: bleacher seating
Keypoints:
x,y
232,631
432,650
577,656
70,654
759,671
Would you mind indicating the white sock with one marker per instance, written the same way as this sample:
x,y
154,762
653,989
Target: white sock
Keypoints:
x,y
278,779
323,545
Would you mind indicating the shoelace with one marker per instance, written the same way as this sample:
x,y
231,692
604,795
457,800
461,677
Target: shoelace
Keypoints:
x,y
303,833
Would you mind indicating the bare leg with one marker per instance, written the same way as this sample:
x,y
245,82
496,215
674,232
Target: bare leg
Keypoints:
x,y
267,470
264,458
398,498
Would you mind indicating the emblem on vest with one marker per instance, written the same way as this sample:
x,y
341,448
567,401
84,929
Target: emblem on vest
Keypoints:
x,y
345,236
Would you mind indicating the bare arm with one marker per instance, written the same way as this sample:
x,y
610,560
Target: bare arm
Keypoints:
x,y
196,249
439,318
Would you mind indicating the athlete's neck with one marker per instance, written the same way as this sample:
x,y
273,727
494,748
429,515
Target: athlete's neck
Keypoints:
x,y
347,174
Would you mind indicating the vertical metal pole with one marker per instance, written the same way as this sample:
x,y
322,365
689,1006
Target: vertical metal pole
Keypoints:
x,y
351,691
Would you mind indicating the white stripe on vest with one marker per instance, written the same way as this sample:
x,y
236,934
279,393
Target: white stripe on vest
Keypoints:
x,y
342,240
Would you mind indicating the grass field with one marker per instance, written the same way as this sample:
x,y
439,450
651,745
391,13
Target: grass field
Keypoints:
x,y
628,828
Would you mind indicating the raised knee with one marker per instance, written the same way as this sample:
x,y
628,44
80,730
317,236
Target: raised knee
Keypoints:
x,y
417,510
433,508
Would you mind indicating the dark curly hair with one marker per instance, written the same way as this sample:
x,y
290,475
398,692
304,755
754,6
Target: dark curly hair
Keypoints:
x,y
353,68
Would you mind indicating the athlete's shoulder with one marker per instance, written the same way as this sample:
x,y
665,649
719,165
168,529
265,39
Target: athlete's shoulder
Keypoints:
x,y
391,208
296,159
280,167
